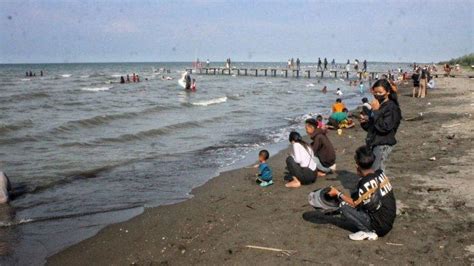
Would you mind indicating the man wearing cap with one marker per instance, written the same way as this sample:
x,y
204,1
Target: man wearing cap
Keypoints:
x,y
324,153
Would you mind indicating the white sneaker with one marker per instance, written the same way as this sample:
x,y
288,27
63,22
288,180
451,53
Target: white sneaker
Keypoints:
x,y
361,235
333,168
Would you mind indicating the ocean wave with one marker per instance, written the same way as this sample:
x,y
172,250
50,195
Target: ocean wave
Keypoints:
x,y
66,75
15,126
84,76
151,133
105,119
210,102
65,216
96,88
23,97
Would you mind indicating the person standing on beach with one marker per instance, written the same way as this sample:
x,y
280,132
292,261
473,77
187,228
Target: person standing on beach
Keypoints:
x,y
324,153
300,164
372,208
382,125
423,82
416,82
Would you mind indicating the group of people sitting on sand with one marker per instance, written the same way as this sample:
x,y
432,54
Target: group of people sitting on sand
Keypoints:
x,y
372,207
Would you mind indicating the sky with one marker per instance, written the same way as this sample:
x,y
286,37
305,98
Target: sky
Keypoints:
x,y
54,31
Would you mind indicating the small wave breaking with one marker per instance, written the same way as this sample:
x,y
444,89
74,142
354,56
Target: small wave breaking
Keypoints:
x,y
211,102
95,89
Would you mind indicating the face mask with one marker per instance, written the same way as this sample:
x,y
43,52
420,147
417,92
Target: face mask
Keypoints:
x,y
380,98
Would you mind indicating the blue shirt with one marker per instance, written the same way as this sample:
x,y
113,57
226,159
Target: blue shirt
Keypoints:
x,y
265,173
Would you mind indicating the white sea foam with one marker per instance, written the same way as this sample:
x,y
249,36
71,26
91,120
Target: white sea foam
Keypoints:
x,y
212,101
13,223
310,85
66,75
116,75
25,79
84,76
96,88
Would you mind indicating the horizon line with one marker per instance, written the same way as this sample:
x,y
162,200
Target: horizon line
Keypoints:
x,y
138,62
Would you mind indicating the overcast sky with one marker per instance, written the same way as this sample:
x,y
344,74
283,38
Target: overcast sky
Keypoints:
x,y
150,31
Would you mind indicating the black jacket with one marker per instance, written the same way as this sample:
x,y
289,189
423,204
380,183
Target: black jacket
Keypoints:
x,y
383,125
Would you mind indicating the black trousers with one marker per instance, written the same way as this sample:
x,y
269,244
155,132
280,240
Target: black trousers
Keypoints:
x,y
304,174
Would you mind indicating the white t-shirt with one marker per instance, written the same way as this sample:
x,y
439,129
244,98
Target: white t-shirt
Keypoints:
x,y
303,157
339,93
3,188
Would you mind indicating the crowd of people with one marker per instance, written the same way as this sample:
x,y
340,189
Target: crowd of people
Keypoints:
x,y
372,208
292,64
135,78
422,80
33,74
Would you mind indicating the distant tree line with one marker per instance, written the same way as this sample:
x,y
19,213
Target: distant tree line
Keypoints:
x,y
465,60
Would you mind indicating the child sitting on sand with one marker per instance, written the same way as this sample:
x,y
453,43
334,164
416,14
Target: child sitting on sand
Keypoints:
x,y
264,176
319,119
366,107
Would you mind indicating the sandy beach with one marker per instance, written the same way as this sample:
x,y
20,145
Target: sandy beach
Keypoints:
x,y
431,169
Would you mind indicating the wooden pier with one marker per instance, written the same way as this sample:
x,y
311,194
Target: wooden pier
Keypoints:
x,y
282,72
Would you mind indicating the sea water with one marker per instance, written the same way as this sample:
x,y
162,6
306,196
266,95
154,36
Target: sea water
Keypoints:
x,y
92,151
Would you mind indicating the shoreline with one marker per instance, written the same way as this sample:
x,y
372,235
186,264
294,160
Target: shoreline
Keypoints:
x,y
229,211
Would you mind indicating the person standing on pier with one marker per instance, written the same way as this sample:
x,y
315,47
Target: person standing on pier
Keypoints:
x,y
325,64
333,64
298,63
348,65
292,63
289,63
365,66
319,64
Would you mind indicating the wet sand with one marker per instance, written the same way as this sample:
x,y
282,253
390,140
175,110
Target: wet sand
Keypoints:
x,y
434,225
